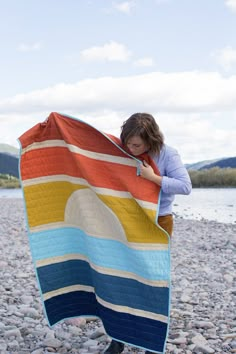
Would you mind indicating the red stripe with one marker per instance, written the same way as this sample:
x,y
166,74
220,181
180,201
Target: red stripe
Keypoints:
x,y
72,132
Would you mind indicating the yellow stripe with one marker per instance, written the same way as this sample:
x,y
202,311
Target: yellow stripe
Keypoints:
x,y
83,182
46,204
139,224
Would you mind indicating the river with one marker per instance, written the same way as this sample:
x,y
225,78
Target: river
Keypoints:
x,y
218,204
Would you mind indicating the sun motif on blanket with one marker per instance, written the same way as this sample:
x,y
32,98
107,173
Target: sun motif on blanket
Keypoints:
x,y
86,211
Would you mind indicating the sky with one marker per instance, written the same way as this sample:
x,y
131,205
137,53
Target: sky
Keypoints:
x,y
103,60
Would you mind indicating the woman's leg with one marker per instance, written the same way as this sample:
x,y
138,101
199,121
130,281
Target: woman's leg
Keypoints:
x,y
167,223
115,347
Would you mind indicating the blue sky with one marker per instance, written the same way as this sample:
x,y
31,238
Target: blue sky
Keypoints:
x,y
102,60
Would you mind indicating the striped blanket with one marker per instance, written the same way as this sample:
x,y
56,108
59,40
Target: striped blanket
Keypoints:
x,y
93,233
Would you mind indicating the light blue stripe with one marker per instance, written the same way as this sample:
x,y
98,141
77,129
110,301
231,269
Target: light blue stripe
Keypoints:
x,y
152,265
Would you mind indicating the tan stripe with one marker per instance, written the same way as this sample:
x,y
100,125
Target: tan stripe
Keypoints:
x,y
66,290
76,181
103,270
118,308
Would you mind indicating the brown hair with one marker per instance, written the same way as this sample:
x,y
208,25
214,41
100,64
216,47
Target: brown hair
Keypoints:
x,y
145,126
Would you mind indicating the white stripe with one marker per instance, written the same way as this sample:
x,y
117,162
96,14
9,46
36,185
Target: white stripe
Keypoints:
x,y
90,154
102,270
133,311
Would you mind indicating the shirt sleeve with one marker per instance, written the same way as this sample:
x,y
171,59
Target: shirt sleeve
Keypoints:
x,y
176,179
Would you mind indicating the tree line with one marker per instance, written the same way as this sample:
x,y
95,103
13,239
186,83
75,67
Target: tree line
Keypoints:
x,y
8,181
213,177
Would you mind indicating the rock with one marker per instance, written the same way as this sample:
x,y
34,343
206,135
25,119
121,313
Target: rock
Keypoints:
x,y
52,342
27,299
3,346
29,311
80,322
13,345
185,297
198,339
179,340
204,324
98,333
203,349
90,343
12,333
229,278
38,351
229,335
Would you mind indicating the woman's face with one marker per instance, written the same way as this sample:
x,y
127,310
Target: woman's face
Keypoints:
x,y
136,145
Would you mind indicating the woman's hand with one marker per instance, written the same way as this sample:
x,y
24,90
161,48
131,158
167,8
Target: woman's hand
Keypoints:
x,y
146,171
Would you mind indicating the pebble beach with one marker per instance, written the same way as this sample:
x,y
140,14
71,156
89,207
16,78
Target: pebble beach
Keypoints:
x,y
203,315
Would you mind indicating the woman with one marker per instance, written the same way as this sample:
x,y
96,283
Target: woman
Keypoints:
x,y
140,134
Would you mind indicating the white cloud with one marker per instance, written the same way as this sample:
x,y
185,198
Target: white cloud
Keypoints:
x,y
23,47
200,136
111,51
166,92
195,110
231,4
226,57
124,6
145,62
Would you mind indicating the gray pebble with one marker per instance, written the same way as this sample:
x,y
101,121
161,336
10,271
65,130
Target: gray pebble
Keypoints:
x,y
203,294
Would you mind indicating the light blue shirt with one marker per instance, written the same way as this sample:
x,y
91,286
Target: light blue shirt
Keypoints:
x,y
175,179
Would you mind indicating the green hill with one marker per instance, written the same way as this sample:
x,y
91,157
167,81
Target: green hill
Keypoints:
x,y
200,164
9,164
229,162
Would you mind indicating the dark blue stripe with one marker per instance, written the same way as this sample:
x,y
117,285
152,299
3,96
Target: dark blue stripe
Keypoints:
x,y
113,289
135,330
60,275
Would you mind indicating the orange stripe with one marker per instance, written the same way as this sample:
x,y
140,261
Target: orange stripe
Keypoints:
x,y
102,174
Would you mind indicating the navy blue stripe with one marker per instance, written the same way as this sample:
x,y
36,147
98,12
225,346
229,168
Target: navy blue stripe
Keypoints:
x,y
135,330
113,289
60,275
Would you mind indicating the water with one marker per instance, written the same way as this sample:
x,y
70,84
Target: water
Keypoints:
x,y
218,204
11,193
